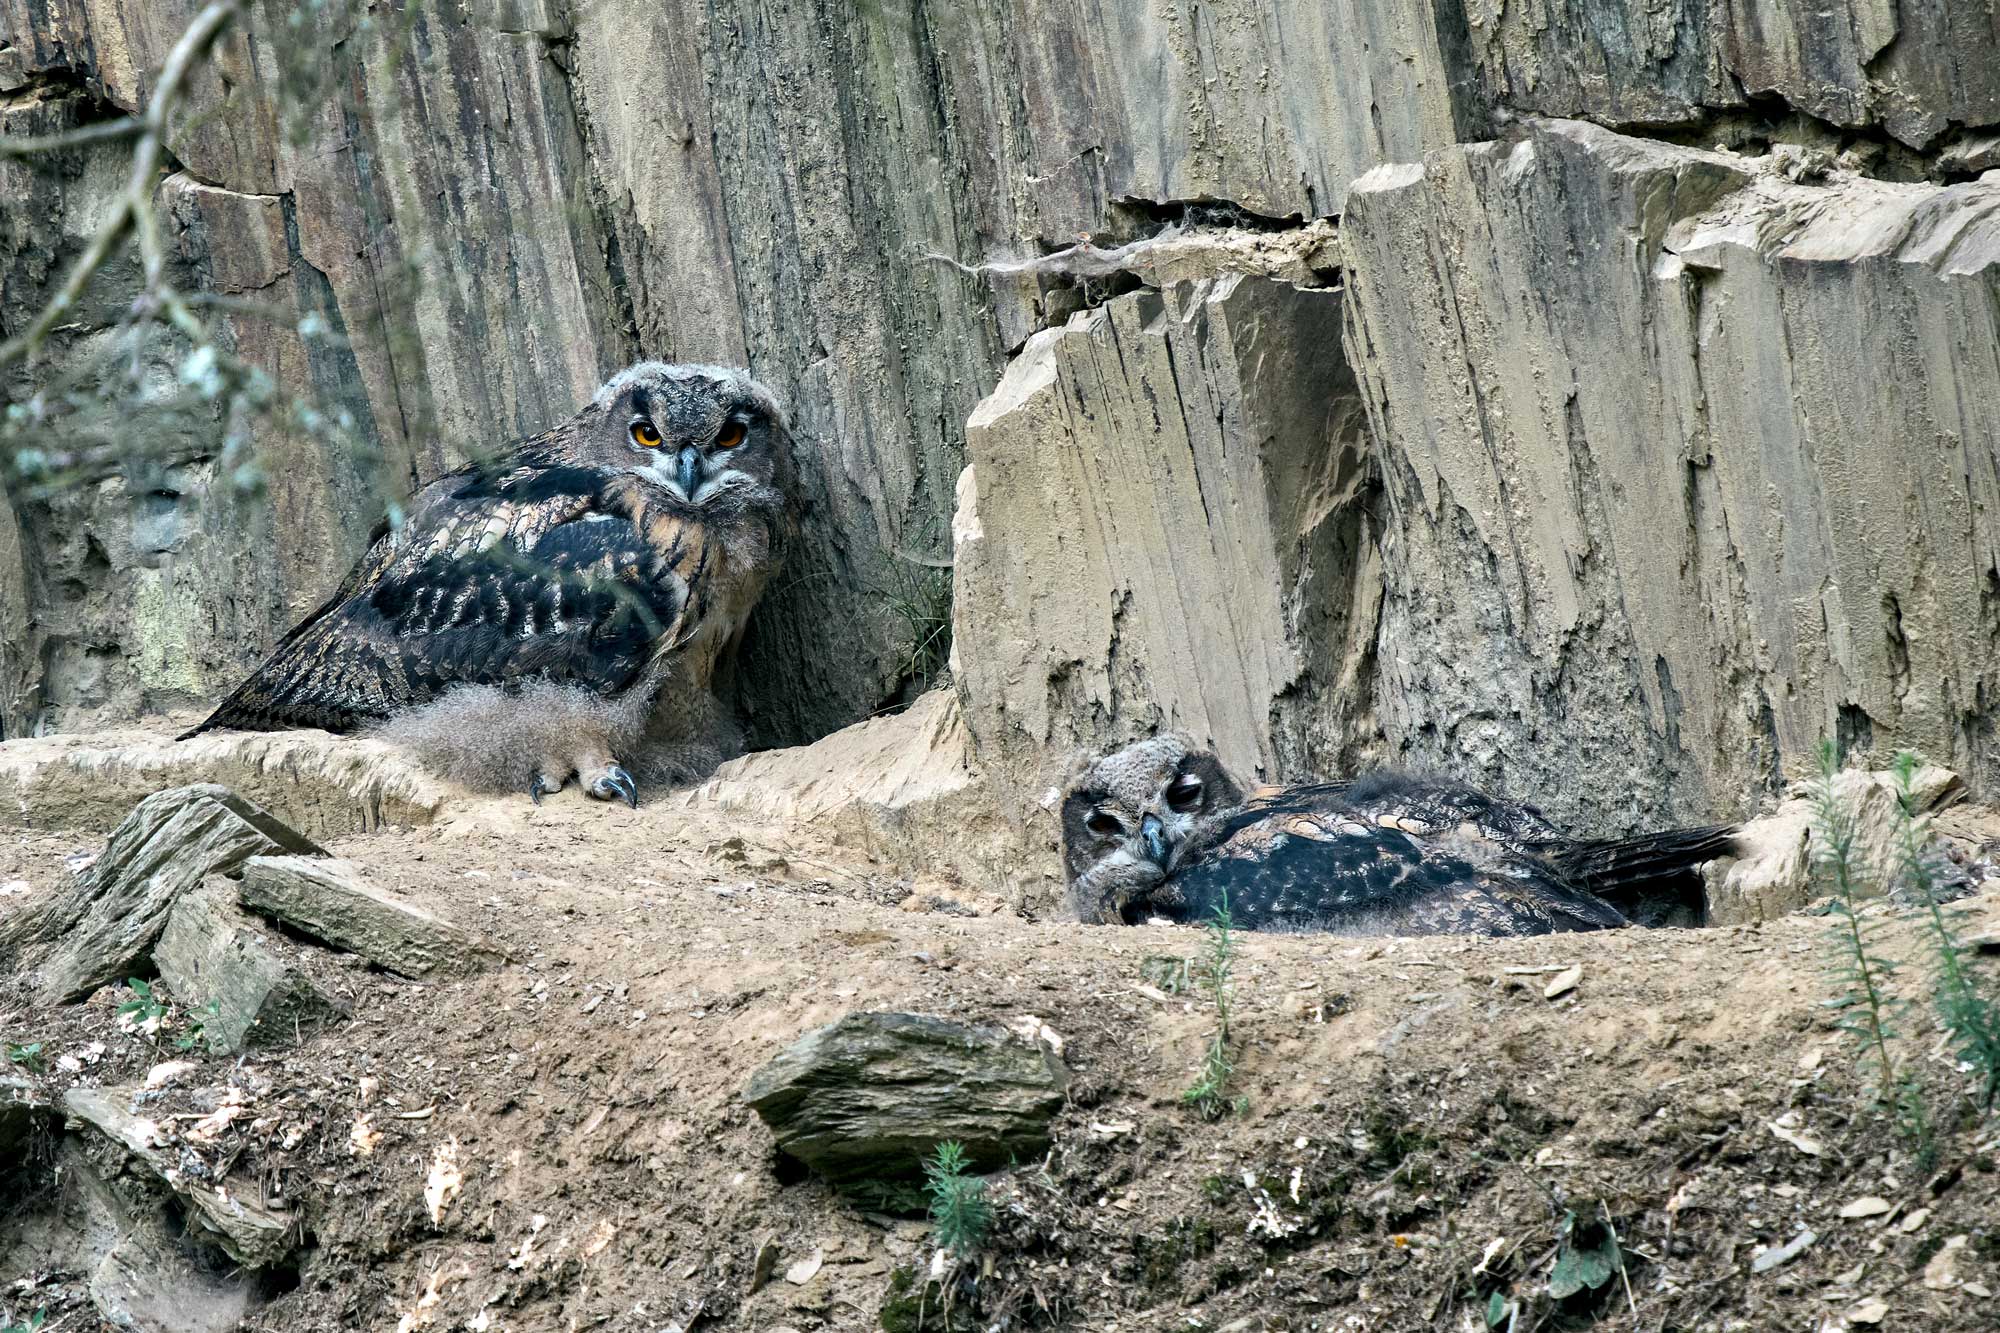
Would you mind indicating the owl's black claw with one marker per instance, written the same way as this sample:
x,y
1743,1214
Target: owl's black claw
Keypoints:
x,y
616,783
539,786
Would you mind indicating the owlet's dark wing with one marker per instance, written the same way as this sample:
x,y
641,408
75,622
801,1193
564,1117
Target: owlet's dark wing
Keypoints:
x,y
549,572
1289,863
1651,878
1429,804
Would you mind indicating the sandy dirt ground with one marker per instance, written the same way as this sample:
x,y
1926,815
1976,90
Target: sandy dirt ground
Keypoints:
x,y
1422,1125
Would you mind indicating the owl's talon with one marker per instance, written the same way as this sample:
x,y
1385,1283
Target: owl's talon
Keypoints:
x,y
616,783
539,786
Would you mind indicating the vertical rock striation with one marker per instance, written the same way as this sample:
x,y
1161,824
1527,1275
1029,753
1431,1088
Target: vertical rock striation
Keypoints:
x,y
1911,71
1162,525
1688,465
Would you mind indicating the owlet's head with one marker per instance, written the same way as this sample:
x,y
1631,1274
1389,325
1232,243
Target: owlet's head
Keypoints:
x,y
709,436
1130,818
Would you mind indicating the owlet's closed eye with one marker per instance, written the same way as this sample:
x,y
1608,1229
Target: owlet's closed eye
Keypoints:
x,y
1184,793
1104,825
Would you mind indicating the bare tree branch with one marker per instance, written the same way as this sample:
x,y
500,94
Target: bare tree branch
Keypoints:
x,y
104,131
133,209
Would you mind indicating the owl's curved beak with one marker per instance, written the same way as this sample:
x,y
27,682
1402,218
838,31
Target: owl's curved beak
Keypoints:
x,y
687,470
1154,833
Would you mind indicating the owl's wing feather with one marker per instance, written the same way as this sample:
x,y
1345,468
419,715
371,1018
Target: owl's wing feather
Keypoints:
x,y
1294,867
1430,803
538,573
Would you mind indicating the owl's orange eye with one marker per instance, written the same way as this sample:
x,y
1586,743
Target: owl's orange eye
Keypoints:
x,y
732,435
644,435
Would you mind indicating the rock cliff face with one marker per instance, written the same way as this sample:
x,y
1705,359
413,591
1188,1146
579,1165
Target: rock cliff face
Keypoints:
x,y
1691,464
1163,526
1593,463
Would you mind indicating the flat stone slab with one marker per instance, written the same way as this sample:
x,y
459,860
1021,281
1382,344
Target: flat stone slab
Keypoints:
x,y
227,1216
325,785
234,976
864,1100
334,903
100,928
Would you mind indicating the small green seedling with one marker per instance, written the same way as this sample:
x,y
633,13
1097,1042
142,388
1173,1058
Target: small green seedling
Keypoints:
x,y
1212,973
28,1055
144,1006
1587,1256
960,1215
198,1030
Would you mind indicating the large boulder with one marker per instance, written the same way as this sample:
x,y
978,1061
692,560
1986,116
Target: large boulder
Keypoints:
x,y
863,1100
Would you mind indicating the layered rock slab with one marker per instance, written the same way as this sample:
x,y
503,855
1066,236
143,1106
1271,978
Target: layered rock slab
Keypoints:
x,y
1163,524
323,785
1687,464
234,977
106,922
864,1100
221,1214
333,901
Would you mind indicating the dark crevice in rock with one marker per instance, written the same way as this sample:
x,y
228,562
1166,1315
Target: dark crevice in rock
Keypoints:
x,y
1767,123
1132,219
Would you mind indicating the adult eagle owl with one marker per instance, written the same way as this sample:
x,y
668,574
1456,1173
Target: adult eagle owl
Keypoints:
x,y
540,608
1160,828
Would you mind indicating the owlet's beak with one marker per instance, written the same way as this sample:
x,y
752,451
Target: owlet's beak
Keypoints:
x,y
687,470
1154,834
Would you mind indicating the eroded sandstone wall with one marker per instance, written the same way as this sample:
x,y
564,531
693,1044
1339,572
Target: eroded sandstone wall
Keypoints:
x,y
1163,525
577,185
1690,464
158,587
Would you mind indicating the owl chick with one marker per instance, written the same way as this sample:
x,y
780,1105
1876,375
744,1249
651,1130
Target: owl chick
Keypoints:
x,y
1161,829
538,609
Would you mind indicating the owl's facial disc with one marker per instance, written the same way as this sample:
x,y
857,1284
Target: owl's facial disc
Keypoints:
x,y
1131,818
707,436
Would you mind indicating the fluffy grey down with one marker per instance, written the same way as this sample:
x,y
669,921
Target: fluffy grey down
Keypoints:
x,y
494,739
